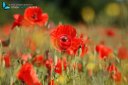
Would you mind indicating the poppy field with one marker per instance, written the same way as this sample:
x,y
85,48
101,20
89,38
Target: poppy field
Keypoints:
x,y
34,51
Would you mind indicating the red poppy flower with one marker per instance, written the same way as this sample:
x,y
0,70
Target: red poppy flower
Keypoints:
x,y
112,68
117,76
61,37
49,63
34,15
103,51
39,60
110,32
123,53
61,65
28,75
7,60
18,20
64,39
58,66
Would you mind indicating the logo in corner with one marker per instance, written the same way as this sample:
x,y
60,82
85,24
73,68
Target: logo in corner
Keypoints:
x,y
5,6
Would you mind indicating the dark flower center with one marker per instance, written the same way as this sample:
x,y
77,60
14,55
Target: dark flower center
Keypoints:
x,y
64,42
35,16
64,39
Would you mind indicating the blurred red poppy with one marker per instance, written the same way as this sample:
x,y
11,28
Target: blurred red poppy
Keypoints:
x,y
110,32
34,15
117,76
49,63
112,68
38,60
7,60
103,51
58,66
28,75
18,20
123,53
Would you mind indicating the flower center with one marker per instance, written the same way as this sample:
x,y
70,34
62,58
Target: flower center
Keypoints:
x,y
64,39
64,42
35,16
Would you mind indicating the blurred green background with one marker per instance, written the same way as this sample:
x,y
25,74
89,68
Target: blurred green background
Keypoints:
x,y
92,12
